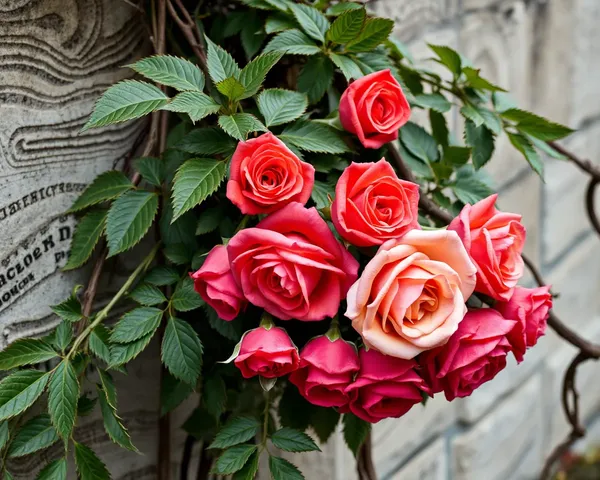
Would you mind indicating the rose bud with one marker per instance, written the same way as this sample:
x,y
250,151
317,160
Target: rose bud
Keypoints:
x,y
268,352
266,175
386,387
216,285
373,205
530,307
472,356
374,108
327,367
494,241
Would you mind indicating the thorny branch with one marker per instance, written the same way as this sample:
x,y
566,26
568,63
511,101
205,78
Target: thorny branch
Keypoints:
x,y
587,349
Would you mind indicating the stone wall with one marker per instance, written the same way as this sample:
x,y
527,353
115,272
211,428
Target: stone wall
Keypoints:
x,y
545,52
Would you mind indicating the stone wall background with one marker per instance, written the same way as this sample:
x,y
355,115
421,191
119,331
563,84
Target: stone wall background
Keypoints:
x,y
545,53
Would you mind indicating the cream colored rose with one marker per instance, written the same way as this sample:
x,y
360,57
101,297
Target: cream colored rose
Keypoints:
x,y
411,296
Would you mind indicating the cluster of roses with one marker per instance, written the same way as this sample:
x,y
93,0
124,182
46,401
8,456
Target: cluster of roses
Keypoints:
x,y
409,302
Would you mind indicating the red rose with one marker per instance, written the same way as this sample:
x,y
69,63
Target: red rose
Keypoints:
x,y
385,387
326,369
472,356
291,265
216,285
268,353
374,108
373,205
530,307
494,241
266,175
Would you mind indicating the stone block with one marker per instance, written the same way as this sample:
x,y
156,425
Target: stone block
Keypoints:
x,y
504,444
430,464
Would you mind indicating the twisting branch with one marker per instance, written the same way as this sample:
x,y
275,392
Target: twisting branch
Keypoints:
x,y
585,165
189,28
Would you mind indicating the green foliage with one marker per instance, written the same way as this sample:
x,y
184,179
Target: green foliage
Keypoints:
x,y
316,77
350,69
374,32
152,170
121,354
129,218
99,341
249,471
231,88
4,434
524,146
89,466
196,104
324,422
280,106
147,294
233,459
162,275
214,395
419,142
25,352
313,22
314,137
482,142
106,186
292,440
173,392
347,26
281,469
207,141
237,430
136,324
86,236
434,101
19,390
448,57
536,126
253,75
355,432
56,470
36,434
292,42
126,100
239,125
112,423
322,194
171,71
181,351
63,392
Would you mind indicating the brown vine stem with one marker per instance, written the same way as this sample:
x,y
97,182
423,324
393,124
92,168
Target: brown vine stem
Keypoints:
x,y
364,461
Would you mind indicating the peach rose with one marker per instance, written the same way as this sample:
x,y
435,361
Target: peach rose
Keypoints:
x,y
494,241
411,295
374,108
373,205
266,175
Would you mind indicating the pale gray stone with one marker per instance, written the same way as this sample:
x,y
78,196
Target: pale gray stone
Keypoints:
x,y
430,464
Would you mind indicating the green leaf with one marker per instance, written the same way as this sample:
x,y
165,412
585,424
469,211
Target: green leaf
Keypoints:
x,y
434,101
253,34
220,64
233,459
152,170
281,469
124,353
171,71
89,466
207,141
86,236
544,147
196,104
342,7
292,440
292,42
214,395
173,392
482,141
316,77
108,387
526,148
491,120
249,471
399,50
69,309
112,424
347,26
231,88
4,434
374,32
253,75
26,351
294,410
209,220
36,434
355,432
106,186
239,125
536,126
229,329
126,100
313,22
322,194
63,392
439,127
416,139
98,342
85,405
314,137
56,470
456,155
19,390
503,101
162,275
136,324
147,294
182,351
279,22
448,57
476,81
129,218
195,181
280,106
469,188
349,67
237,430
471,113
324,422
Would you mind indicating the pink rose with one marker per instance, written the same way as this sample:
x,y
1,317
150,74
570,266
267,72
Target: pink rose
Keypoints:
x,y
291,265
268,353
472,356
411,295
374,108
216,285
266,175
385,387
326,369
530,307
494,241
373,205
